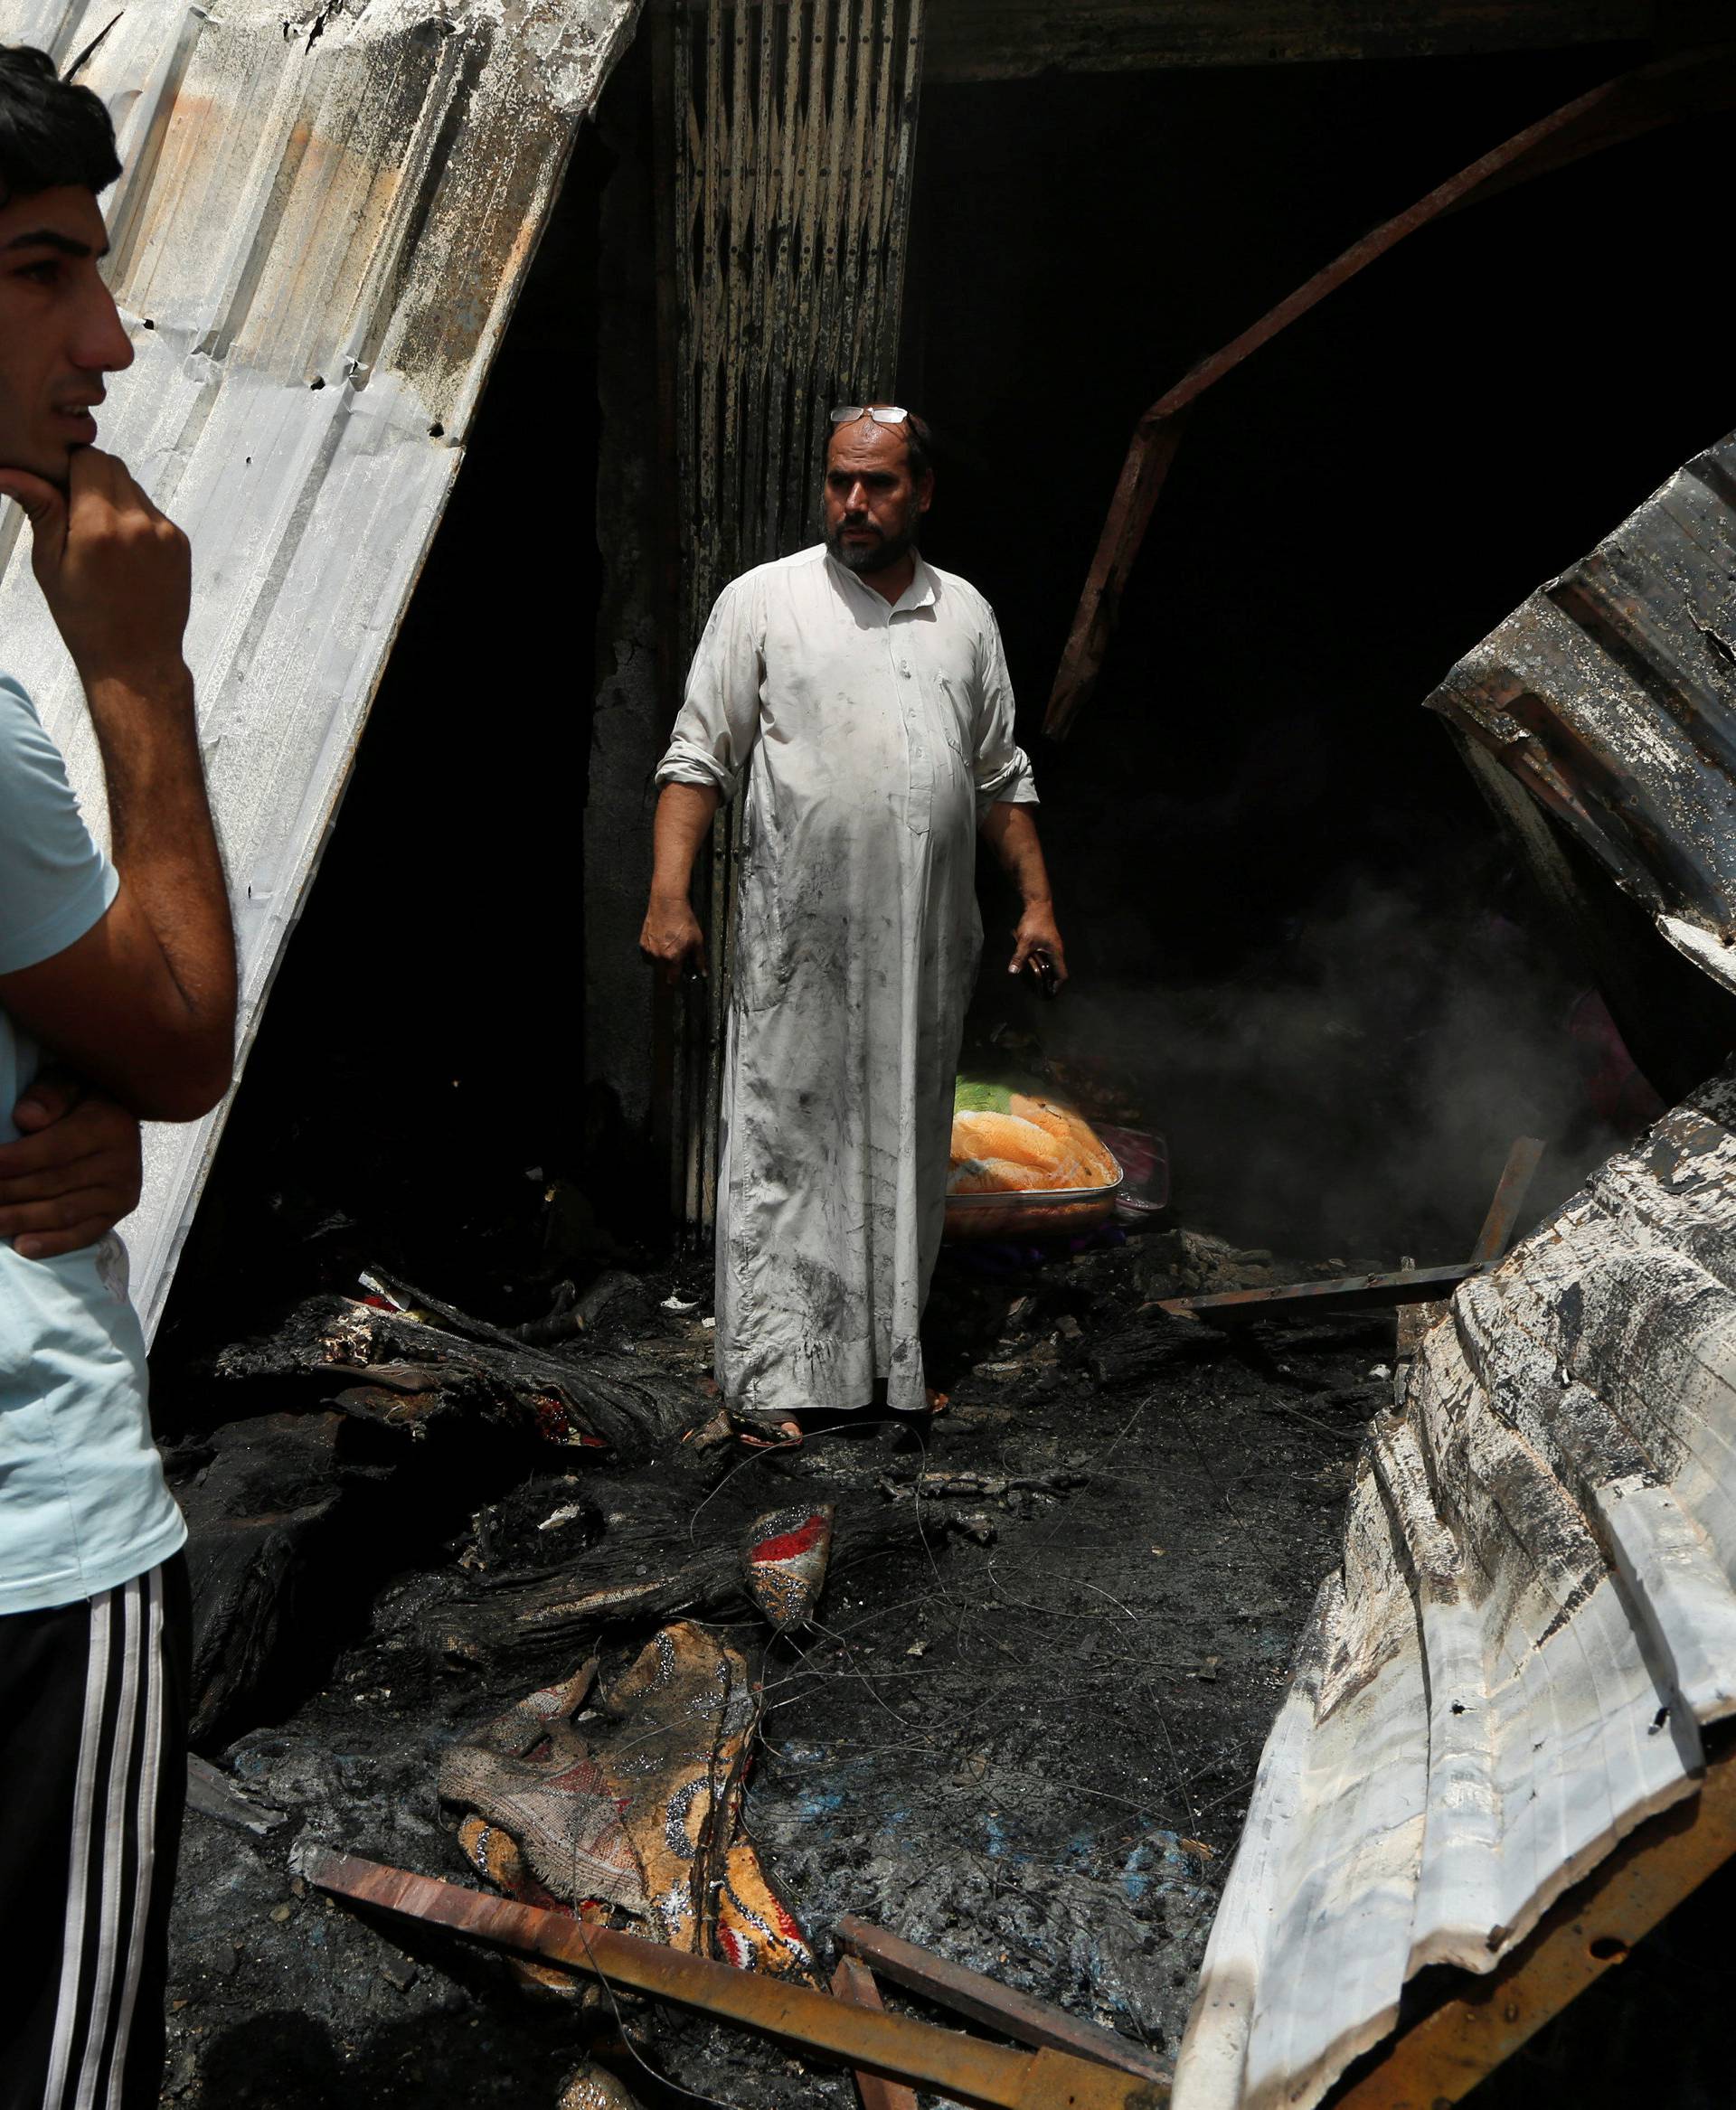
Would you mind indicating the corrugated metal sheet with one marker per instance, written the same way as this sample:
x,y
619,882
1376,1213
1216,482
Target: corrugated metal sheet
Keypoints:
x,y
1535,1613
1534,1617
1610,694
324,219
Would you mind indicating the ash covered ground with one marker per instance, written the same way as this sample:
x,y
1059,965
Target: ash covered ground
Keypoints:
x,y
1025,1740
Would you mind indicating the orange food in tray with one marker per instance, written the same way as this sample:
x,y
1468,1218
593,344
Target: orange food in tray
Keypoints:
x,y
1008,1142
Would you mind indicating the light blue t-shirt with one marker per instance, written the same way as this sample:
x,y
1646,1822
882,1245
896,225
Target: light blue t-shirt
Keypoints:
x,y
83,1504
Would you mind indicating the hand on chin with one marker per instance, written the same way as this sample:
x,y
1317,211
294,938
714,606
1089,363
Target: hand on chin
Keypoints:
x,y
53,464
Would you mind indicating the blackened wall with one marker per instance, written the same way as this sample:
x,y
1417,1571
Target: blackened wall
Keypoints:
x,y
632,712
421,1055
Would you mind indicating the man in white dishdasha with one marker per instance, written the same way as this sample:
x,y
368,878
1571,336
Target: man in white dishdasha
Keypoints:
x,y
862,694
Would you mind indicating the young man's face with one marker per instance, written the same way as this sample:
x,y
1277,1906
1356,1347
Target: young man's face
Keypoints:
x,y
873,506
59,331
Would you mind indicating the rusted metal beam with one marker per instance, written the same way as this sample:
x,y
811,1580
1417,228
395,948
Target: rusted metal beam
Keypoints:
x,y
1013,40
854,1984
984,2000
1686,83
984,2075
1443,2056
1516,1176
1338,1292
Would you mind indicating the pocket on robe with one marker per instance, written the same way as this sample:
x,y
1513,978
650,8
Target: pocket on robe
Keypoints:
x,y
761,960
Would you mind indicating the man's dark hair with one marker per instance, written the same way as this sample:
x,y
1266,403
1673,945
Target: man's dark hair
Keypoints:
x,y
919,445
52,134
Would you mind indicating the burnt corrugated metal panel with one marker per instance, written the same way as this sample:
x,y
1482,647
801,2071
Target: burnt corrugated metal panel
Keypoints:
x,y
325,215
1535,1611
1610,694
1534,1616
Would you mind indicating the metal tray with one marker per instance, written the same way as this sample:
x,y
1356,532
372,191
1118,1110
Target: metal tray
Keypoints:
x,y
1031,1211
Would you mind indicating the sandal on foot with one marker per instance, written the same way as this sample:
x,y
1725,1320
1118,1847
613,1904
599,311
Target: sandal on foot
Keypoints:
x,y
753,1432
763,1432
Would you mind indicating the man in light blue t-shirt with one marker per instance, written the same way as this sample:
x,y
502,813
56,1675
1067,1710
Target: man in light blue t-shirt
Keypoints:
x,y
122,971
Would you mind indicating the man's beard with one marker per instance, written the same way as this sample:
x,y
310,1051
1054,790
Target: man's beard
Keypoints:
x,y
864,557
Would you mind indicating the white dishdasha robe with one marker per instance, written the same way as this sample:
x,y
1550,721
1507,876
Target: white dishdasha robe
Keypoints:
x,y
874,739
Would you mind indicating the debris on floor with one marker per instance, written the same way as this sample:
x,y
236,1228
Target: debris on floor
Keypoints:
x,y
985,1721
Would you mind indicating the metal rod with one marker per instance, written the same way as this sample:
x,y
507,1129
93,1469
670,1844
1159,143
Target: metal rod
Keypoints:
x,y
1516,1176
984,2000
1683,84
854,1982
985,2075
1338,1293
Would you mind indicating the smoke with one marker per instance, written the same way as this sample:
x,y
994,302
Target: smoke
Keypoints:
x,y
1352,1089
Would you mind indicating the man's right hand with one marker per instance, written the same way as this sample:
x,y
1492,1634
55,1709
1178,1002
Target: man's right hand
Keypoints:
x,y
143,1003
116,573
671,941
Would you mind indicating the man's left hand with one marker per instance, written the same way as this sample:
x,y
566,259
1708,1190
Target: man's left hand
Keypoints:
x,y
1037,933
74,1172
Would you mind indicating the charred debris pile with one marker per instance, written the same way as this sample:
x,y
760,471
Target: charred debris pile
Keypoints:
x,y
1000,1691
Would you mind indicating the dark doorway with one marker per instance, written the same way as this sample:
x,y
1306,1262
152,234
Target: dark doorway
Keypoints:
x,y
1294,926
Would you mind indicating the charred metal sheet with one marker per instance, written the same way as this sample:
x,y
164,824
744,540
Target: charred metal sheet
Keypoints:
x,y
1533,1619
1610,694
325,218
1684,84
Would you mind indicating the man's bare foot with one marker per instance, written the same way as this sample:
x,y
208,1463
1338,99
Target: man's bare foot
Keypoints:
x,y
939,1401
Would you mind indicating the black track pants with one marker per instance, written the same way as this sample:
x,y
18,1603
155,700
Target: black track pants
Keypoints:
x,y
93,1779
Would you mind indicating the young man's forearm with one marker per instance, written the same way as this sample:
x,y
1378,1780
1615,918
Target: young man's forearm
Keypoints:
x,y
162,839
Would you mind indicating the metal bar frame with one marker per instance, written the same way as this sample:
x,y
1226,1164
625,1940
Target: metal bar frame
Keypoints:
x,y
786,142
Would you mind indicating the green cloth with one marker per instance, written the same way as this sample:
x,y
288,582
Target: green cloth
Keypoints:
x,y
970,1095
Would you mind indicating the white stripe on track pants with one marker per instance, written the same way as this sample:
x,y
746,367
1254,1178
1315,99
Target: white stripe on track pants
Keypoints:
x,y
93,1708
